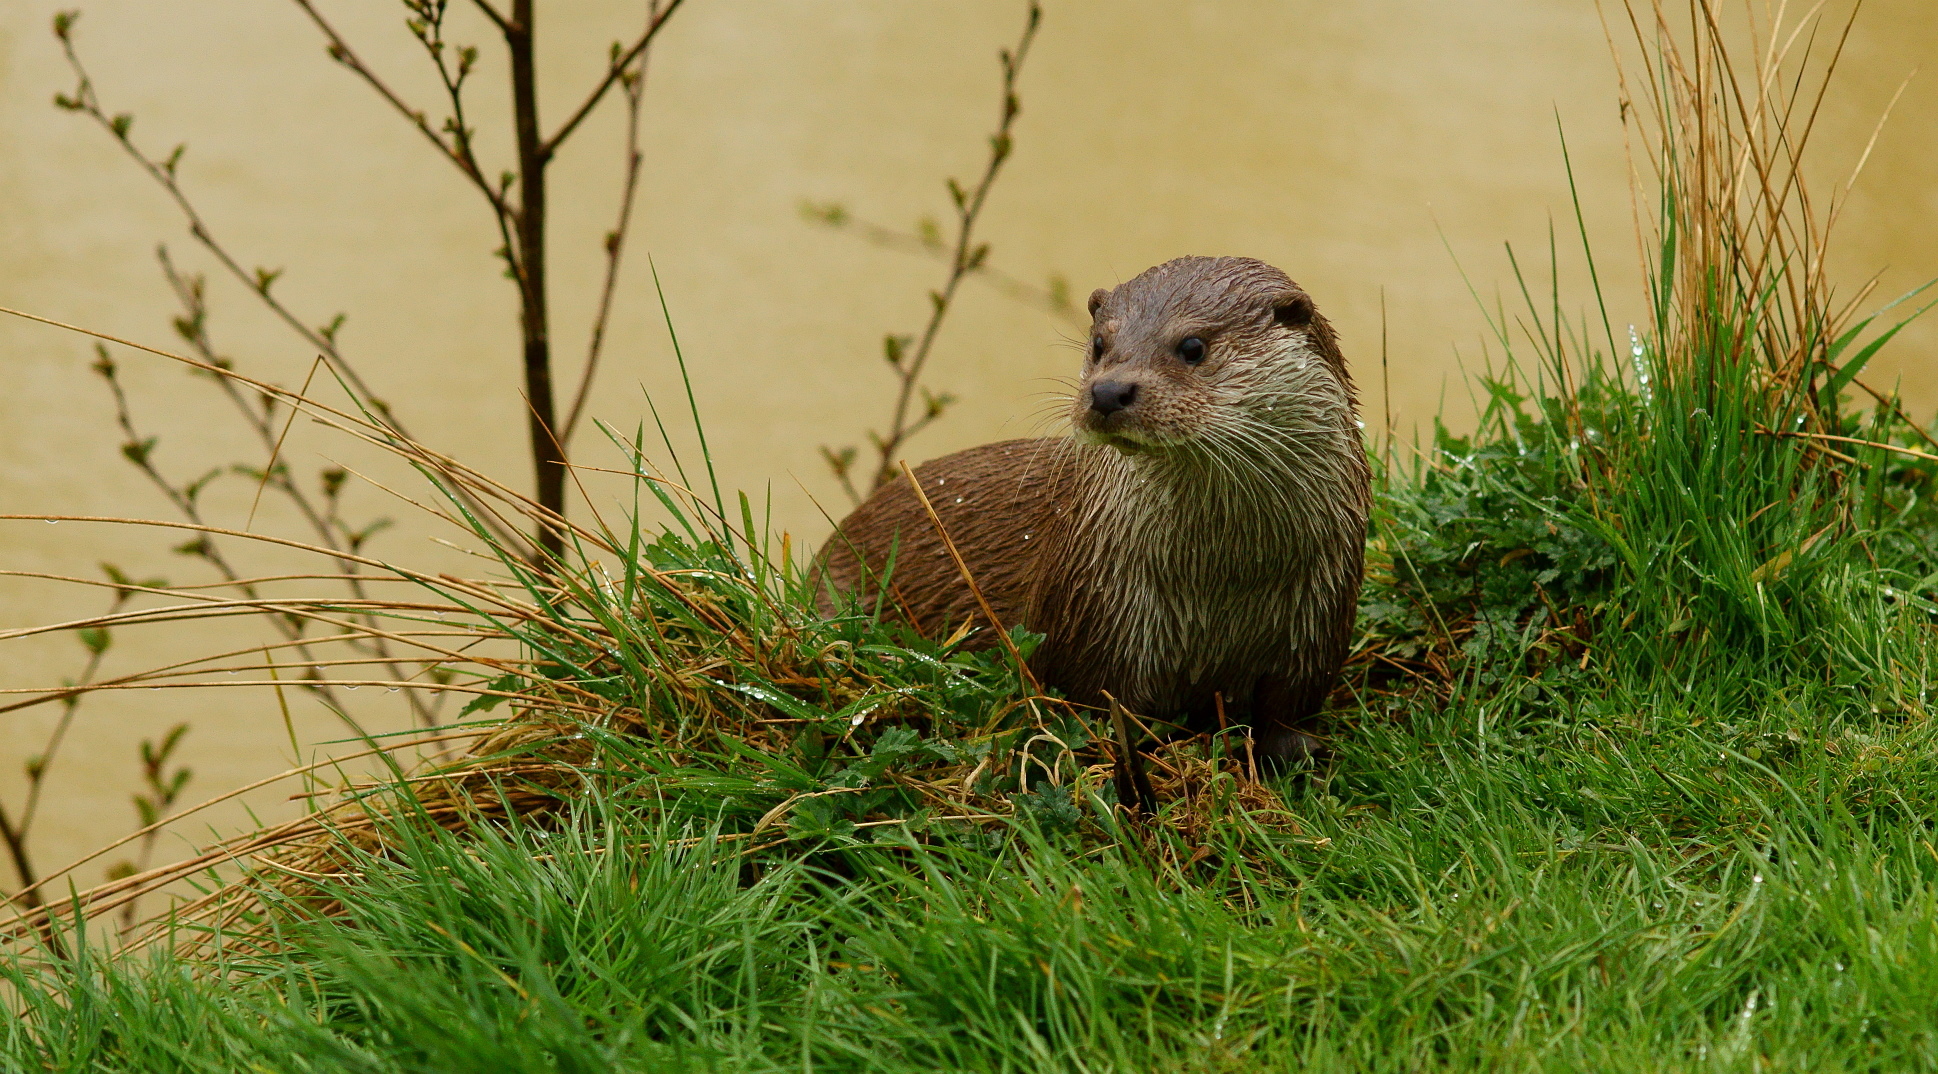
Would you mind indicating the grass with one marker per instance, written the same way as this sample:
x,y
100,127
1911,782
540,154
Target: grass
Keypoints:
x,y
1634,765
1506,890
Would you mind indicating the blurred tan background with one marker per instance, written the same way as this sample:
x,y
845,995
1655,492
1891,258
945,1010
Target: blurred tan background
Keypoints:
x,y
1374,149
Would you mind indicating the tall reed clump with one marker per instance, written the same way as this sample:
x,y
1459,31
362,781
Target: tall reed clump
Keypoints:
x,y
1709,497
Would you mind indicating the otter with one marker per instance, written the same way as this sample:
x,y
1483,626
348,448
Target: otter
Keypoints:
x,y
1194,550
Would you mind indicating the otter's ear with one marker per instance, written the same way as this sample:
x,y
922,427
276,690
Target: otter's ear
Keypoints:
x,y
1097,299
1292,309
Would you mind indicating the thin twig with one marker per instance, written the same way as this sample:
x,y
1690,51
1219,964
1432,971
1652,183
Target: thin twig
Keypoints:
x,y
614,71
497,18
965,258
85,100
634,86
458,152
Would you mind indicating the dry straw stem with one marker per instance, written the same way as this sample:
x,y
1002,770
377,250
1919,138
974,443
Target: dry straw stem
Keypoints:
x,y
164,822
313,838
997,626
1913,453
1724,144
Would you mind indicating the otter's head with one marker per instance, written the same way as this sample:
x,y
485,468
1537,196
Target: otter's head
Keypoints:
x,y
1200,349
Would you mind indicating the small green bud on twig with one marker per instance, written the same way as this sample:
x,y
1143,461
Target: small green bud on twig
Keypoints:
x,y
831,213
121,124
279,472
1059,289
935,404
96,639
116,575
103,364
358,538
125,585
193,490
64,23
138,451
841,462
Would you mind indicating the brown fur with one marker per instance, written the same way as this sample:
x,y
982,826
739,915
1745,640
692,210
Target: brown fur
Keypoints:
x,y
1202,544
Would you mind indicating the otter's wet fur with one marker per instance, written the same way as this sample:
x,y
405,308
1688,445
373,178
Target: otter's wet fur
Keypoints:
x,y
1198,540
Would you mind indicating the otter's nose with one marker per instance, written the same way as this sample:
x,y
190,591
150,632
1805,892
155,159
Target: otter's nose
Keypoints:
x,y
1112,395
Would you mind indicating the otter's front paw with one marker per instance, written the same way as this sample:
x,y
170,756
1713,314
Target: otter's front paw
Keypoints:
x,y
1284,750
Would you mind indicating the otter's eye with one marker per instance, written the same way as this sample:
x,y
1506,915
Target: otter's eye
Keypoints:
x,y
1096,347
1192,350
